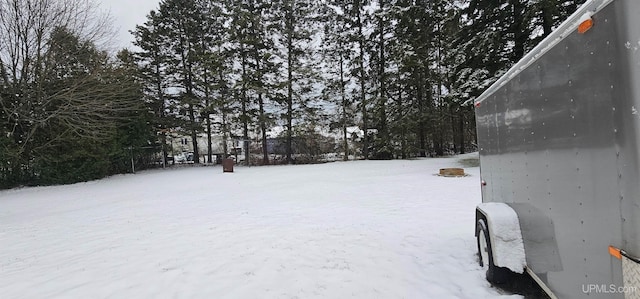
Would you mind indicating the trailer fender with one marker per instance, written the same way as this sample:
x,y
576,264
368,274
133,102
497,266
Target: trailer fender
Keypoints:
x,y
504,234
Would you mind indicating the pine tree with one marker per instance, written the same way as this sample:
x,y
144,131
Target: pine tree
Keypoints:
x,y
213,63
380,63
337,56
548,14
181,21
296,30
252,38
264,65
239,35
359,23
153,64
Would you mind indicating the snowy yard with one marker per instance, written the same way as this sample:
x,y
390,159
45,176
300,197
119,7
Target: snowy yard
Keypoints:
x,y
365,229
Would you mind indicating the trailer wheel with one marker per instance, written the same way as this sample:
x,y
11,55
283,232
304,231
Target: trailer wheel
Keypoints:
x,y
494,274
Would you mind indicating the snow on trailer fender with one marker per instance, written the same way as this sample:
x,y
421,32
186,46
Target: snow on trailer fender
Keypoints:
x,y
502,250
559,139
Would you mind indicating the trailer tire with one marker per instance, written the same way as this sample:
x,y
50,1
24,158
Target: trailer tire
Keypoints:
x,y
494,274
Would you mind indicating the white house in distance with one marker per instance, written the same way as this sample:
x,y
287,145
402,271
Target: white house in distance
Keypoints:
x,y
180,145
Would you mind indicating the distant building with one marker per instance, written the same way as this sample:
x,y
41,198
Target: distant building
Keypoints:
x,y
180,144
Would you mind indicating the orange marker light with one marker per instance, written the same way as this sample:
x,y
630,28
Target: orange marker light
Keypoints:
x,y
585,25
615,252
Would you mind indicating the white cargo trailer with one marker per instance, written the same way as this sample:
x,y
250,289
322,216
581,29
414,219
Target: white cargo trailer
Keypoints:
x,y
559,142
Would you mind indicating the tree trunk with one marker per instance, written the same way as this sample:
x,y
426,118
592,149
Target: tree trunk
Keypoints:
x,y
289,29
225,134
161,105
262,117
263,130
382,101
345,142
422,134
441,125
223,109
403,140
363,96
461,129
520,35
245,117
207,114
190,98
194,134
547,17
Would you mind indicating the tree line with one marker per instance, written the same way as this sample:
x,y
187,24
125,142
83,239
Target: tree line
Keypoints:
x,y
402,72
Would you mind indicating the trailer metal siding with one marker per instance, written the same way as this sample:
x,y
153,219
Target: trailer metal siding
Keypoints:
x,y
628,122
559,142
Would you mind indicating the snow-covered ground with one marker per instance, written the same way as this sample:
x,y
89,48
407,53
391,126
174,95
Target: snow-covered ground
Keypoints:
x,y
365,229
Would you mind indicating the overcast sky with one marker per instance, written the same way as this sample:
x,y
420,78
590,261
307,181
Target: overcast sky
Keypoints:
x,y
127,14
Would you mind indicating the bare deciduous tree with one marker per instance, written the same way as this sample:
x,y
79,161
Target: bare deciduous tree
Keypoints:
x,y
55,83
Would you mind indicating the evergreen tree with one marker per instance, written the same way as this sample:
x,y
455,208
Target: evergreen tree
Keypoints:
x,y
251,33
548,14
244,13
356,10
338,54
382,34
153,74
296,32
213,63
181,22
